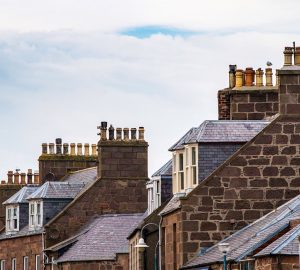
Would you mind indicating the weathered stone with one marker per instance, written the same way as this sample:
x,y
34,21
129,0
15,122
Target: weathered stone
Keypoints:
x,y
242,204
287,171
270,171
289,194
199,216
238,182
288,129
239,161
278,182
262,205
259,161
270,150
279,160
289,150
224,205
274,194
295,139
230,171
259,183
208,226
235,215
295,182
230,194
251,215
251,194
200,236
251,171
216,191
263,139
295,161
206,200
190,225
281,139
252,150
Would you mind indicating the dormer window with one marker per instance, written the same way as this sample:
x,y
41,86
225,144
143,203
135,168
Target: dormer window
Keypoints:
x,y
12,218
35,215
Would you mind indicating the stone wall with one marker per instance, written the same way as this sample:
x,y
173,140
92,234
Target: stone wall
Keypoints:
x,y
211,155
247,104
18,248
277,263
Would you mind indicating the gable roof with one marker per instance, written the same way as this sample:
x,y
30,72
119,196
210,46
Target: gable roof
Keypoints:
x,y
21,195
104,239
56,190
221,131
166,169
85,176
245,241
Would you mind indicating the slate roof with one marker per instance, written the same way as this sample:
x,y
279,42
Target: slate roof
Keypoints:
x,y
104,239
21,195
245,241
172,205
221,131
288,244
85,176
57,190
166,169
22,232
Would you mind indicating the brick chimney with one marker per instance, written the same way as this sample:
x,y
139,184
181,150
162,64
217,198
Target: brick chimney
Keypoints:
x,y
124,155
57,159
289,87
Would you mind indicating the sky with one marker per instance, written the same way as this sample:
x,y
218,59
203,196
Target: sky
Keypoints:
x,y
65,66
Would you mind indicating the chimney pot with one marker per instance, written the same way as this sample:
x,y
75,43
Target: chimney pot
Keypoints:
x,y
86,149
126,134
288,56
72,151
269,75
239,78
29,176
10,177
259,77
94,150
141,133
51,148
103,129
36,177
66,148
119,134
133,134
249,76
79,149
111,133
232,70
104,124
23,178
16,178
277,78
297,56
44,148
58,142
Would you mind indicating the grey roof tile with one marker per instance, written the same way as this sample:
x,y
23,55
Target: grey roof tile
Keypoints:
x,y
166,169
221,131
21,195
104,238
245,241
23,232
288,244
57,190
85,176
171,206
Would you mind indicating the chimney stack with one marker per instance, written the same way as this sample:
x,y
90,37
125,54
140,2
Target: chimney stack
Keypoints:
x,y
23,178
111,133
16,177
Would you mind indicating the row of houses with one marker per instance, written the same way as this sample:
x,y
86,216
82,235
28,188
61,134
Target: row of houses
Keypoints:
x,y
235,180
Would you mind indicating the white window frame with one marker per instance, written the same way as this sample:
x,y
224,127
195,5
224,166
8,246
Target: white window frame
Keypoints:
x,y
194,166
35,217
2,265
181,172
25,263
12,215
14,264
37,262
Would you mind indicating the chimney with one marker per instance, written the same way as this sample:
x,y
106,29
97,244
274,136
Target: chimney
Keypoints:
x,y
288,56
79,149
269,75
23,178
111,133
44,148
36,177
232,70
29,176
51,148
103,130
66,148
72,146
259,77
289,90
125,158
94,150
16,177
297,56
10,175
239,78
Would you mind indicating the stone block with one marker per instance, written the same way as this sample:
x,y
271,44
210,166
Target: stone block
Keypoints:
x,y
242,204
274,194
251,215
208,226
251,194
238,182
270,150
263,139
251,171
287,171
278,182
270,171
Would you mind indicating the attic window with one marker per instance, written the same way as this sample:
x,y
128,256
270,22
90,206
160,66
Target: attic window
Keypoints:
x,y
12,218
35,215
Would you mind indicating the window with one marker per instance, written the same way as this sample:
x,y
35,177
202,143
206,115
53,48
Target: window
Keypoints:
x,y
181,172
35,214
37,262
12,218
194,166
2,265
25,263
14,264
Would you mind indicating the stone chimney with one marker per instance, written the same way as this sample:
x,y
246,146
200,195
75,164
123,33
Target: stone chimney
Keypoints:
x,y
121,154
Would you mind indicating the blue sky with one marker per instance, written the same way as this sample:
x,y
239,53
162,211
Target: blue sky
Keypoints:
x,y
66,67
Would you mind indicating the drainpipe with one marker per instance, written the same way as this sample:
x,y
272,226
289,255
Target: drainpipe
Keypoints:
x,y
159,241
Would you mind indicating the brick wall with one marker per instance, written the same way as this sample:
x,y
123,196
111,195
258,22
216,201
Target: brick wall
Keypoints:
x,y
19,247
211,155
248,104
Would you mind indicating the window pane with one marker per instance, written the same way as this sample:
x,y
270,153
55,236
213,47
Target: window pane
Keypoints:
x,y
15,223
25,263
194,156
32,208
38,210
9,213
181,175
13,264
180,162
37,262
2,264
194,175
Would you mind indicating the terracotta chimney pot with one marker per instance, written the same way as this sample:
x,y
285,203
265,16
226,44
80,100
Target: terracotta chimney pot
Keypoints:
x,y
239,78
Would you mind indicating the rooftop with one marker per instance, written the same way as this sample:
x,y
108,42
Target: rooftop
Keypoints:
x,y
21,195
166,169
85,176
103,239
245,241
221,131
